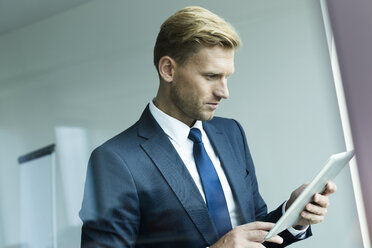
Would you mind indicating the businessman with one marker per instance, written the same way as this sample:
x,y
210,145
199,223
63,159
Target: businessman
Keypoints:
x,y
180,177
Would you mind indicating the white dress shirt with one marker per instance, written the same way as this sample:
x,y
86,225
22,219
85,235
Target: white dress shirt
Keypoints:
x,y
178,133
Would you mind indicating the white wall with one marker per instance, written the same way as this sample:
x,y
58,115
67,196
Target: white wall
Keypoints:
x,y
91,67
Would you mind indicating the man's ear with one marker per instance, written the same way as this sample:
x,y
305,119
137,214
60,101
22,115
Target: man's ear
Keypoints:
x,y
166,68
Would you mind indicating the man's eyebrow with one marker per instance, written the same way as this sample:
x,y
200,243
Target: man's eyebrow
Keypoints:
x,y
217,73
212,73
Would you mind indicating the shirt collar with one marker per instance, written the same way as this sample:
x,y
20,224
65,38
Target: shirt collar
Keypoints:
x,y
175,129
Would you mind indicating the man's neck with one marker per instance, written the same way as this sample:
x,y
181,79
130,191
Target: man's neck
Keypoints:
x,y
164,106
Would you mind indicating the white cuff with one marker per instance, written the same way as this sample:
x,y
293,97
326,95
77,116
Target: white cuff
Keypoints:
x,y
297,233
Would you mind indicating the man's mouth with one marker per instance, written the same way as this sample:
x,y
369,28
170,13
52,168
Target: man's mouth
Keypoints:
x,y
212,105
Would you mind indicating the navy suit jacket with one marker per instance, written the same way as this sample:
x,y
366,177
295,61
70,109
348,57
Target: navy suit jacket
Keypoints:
x,y
138,192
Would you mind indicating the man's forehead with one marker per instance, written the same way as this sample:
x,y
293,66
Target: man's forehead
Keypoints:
x,y
214,59
214,51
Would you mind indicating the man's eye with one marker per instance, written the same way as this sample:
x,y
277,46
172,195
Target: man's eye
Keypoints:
x,y
212,76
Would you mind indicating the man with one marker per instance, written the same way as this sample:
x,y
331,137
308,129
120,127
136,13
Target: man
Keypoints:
x,y
179,177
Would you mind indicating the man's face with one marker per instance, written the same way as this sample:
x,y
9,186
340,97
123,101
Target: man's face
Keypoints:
x,y
200,84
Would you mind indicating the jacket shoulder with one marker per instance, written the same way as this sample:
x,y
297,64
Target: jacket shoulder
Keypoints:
x,y
123,141
226,125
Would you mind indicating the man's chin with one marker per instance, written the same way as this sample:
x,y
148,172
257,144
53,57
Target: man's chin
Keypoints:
x,y
207,117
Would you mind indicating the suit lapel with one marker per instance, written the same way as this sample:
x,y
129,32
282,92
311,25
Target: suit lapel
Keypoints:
x,y
161,151
235,170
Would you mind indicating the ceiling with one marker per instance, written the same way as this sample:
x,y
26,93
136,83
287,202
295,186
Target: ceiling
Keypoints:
x,y
15,14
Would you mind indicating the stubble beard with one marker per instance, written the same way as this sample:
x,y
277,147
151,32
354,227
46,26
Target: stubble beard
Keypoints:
x,y
189,106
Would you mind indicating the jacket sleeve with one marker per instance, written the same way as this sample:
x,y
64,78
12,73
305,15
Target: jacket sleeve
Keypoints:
x,y
261,213
110,210
288,238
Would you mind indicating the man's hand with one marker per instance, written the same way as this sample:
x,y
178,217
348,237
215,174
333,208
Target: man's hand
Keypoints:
x,y
247,236
316,210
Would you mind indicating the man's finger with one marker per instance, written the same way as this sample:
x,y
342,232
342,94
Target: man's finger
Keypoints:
x,y
256,235
311,218
276,239
258,225
257,231
329,189
321,200
315,209
259,236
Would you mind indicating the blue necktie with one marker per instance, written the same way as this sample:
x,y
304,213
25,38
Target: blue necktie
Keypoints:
x,y
214,195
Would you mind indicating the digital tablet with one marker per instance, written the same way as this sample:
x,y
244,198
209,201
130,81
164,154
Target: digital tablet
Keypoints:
x,y
333,166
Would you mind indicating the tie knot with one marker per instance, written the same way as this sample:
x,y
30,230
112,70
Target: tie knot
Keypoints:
x,y
195,135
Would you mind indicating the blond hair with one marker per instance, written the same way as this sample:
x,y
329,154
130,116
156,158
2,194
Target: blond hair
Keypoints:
x,y
189,29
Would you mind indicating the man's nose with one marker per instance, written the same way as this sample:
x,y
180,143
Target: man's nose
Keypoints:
x,y
222,91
